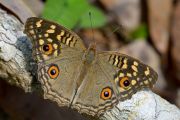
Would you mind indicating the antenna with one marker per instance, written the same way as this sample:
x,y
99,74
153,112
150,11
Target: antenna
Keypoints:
x,y
92,27
116,29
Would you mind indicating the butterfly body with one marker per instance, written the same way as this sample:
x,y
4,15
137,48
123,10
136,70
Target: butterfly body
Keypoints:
x,y
90,55
82,78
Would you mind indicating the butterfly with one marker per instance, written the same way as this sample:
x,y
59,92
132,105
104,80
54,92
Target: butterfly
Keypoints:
x,y
81,78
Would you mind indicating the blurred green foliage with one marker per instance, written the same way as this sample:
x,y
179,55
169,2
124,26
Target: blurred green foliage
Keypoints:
x,y
70,13
140,32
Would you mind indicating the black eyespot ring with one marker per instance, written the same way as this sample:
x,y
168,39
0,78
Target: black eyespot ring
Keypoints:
x,y
106,94
53,72
46,48
39,30
126,83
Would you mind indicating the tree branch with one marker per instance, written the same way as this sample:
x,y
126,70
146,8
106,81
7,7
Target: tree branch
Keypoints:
x,y
15,52
17,66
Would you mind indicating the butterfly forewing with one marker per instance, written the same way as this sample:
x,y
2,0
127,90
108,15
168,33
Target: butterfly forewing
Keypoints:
x,y
49,38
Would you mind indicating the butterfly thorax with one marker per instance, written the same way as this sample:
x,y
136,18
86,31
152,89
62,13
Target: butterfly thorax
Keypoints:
x,y
90,54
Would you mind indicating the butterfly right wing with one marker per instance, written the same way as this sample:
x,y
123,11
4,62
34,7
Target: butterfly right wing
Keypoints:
x,y
111,78
130,75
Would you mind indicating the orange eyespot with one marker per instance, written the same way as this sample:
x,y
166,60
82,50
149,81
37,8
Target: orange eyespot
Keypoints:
x,y
47,48
124,82
106,93
53,71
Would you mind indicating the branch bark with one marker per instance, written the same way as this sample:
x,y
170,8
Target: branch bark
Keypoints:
x,y
144,105
15,52
17,66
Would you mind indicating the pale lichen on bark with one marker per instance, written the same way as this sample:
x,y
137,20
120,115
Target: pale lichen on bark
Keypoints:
x,y
144,105
14,52
17,68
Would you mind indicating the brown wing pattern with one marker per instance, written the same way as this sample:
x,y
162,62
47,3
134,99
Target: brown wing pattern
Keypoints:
x,y
131,75
109,77
58,52
49,38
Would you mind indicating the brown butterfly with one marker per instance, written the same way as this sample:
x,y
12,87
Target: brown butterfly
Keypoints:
x,y
81,78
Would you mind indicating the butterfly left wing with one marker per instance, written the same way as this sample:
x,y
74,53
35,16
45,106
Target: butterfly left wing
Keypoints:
x,y
58,52
113,77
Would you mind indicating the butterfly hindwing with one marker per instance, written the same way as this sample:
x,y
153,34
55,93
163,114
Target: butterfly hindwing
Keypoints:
x,y
58,77
97,93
